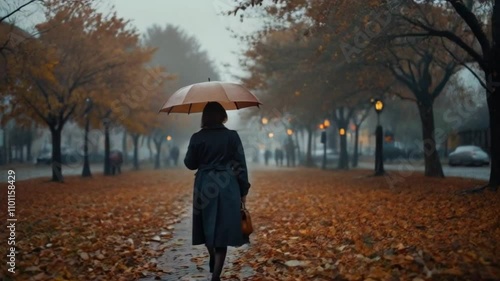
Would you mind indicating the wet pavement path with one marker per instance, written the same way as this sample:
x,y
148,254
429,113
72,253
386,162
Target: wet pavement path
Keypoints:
x,y
183,261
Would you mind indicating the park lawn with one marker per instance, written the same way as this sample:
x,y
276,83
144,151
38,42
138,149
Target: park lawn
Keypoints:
x,y
94,229
344,225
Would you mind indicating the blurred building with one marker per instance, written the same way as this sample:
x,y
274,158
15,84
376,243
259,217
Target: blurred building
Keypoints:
x,y
473,130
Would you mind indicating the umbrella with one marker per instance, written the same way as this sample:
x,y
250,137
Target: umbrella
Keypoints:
x,y
193,98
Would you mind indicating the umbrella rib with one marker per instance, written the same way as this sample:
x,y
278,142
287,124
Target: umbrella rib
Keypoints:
x,y
236,104
190,105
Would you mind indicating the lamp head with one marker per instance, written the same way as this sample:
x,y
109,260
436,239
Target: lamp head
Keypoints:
x,y
326,123
379,105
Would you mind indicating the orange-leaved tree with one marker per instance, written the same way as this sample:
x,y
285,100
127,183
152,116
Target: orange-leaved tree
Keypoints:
x,y
78,50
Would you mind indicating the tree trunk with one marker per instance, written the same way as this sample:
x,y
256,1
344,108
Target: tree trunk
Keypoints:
x,y
107,148
343,157
432,163
334,139
135,139
21,152
314,146
124,147
151,154
86,165
309,160
5,153
355,153
297,143
9,149
28,149
158,152
493,100
56,155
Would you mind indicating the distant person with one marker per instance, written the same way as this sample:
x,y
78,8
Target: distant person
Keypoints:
x,y
221,186
174,154
290,153
116,161
255,158
267,155
278,156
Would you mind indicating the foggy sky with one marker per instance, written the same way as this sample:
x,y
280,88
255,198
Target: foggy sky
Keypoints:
x,y
199,18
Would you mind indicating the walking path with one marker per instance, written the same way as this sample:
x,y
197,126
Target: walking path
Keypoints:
x,y
182,261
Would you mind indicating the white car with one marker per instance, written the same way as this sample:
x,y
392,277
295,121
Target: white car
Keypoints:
x,y
468,155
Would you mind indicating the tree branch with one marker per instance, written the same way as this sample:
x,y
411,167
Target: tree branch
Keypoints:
x,y
449,71
37,111
403,97
445,34
16,10
464,64
471,20
65,118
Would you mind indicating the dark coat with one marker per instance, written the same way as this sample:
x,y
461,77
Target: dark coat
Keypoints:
x,y
220,182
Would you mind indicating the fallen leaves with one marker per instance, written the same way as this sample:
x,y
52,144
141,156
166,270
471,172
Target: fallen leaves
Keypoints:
x,y
310,225
96,229
351,227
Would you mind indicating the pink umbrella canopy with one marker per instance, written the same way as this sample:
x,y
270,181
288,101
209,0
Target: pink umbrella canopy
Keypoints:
x,y
193,98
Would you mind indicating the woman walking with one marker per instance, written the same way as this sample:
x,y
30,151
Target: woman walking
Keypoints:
x,y
220,185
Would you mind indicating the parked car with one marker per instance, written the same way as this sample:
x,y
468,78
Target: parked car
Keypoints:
x,y
468,155
392,152
317,155
68,156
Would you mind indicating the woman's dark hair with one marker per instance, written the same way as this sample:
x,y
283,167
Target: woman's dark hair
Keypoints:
x,y
213,114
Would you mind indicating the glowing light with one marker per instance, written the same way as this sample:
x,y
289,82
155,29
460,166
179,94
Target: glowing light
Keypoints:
x,y
341,131
169,138
289,132
379,105
326,123
265,121
271,135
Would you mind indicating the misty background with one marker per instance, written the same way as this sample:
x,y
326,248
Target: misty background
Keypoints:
x,y
197,40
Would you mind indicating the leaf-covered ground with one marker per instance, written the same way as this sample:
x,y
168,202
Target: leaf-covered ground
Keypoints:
x,y
310,225
94,229
316,225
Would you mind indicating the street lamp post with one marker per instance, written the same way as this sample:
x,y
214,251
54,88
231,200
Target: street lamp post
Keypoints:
x,y
324,126
86,165
379,138
290,148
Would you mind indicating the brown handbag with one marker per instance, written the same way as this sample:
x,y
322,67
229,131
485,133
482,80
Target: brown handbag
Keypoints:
x,y
246,220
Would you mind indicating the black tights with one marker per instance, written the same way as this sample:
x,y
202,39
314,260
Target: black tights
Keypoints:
x,y
217,258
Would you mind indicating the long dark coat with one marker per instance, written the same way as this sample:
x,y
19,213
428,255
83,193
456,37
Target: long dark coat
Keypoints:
x,y
220,182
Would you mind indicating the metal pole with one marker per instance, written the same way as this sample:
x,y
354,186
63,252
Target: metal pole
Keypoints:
x,y
379,158
324,152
